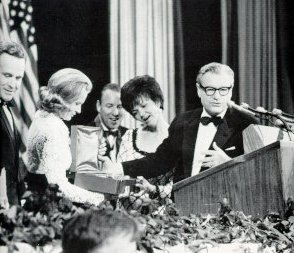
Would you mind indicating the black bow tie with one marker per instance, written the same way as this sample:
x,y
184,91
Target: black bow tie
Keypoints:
x,y
108,133
7,103
216,120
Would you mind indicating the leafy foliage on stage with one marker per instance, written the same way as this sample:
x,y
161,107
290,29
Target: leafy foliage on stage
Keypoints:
x,y
40,221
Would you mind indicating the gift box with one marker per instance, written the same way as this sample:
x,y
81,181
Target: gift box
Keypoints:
x,y
84,148
103,183
87,169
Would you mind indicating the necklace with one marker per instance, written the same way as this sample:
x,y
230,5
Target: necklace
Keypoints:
x,y
134,139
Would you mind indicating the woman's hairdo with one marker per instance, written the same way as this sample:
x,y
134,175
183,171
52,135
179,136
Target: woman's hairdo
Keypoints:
x,y
64,87
138,87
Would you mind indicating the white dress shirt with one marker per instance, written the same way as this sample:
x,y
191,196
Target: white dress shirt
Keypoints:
x,y
204,139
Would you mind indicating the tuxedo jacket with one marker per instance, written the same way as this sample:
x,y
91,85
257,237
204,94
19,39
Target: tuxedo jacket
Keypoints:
x,y
121,131
177,150
9,159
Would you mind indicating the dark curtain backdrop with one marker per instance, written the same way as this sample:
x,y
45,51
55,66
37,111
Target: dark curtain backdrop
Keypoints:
x,y
285,26
74,33
259,47
180,82
201,43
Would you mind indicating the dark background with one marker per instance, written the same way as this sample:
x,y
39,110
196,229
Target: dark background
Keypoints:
x,y
74,33
202,41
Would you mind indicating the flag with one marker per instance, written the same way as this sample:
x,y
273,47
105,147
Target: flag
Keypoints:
x,y
16,25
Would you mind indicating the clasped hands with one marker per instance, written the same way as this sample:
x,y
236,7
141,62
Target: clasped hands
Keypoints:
x,y
214,157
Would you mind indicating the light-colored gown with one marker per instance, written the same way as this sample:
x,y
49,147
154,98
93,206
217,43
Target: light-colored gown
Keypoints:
x,y
129,151
48,153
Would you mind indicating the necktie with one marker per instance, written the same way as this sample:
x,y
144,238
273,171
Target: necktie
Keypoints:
x,y
110,133
216,120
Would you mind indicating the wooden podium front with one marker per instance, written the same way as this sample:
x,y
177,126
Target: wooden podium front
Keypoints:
x,y
253,183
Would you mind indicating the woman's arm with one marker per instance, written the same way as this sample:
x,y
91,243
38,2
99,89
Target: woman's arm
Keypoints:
x,y
55,158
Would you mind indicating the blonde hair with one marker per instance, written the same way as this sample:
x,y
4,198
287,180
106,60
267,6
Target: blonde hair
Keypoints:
x,y
64,87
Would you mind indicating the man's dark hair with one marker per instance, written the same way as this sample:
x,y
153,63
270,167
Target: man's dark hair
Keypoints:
x,y
138,87
109,86
12,48
88,231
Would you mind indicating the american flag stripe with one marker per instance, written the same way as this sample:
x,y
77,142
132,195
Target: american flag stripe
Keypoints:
x,y
28,88
31,69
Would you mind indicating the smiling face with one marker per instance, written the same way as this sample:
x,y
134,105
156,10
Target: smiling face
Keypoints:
x,y
11,74
75,107
110,109
147,112
216,103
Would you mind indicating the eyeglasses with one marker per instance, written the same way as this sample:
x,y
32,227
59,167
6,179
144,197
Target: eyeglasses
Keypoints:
x,y
210,90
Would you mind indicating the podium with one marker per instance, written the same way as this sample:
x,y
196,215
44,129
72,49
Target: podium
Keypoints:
x,y
253,183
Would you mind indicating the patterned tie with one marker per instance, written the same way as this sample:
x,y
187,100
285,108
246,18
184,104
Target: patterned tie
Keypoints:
x,y
216,120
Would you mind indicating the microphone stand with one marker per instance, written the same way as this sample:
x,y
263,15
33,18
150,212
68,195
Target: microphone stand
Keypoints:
x,y
263,114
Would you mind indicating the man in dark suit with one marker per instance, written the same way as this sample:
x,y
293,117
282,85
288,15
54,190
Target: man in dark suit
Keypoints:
x,y
198,139
110,113
12,67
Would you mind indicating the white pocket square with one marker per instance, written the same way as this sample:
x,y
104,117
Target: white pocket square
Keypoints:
x,y
230,148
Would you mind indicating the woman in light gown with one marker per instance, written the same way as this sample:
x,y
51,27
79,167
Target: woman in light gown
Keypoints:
x,y
48,146
143,99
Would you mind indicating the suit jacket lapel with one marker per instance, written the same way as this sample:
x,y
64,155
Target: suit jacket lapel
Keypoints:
x,y
6,123
189,140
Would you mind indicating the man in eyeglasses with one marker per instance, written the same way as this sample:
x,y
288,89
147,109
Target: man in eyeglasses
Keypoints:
x,y
201,138
219,129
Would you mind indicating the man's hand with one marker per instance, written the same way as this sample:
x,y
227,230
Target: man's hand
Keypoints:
x,y
108,166
214,157
102,149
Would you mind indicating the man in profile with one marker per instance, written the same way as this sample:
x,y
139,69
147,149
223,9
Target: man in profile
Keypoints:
x,y
12,67
100,232
198,139
110,114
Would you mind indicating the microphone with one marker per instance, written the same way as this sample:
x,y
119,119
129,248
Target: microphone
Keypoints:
x,y
259,110
288,120
231,104
277,112
279,123
281,113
